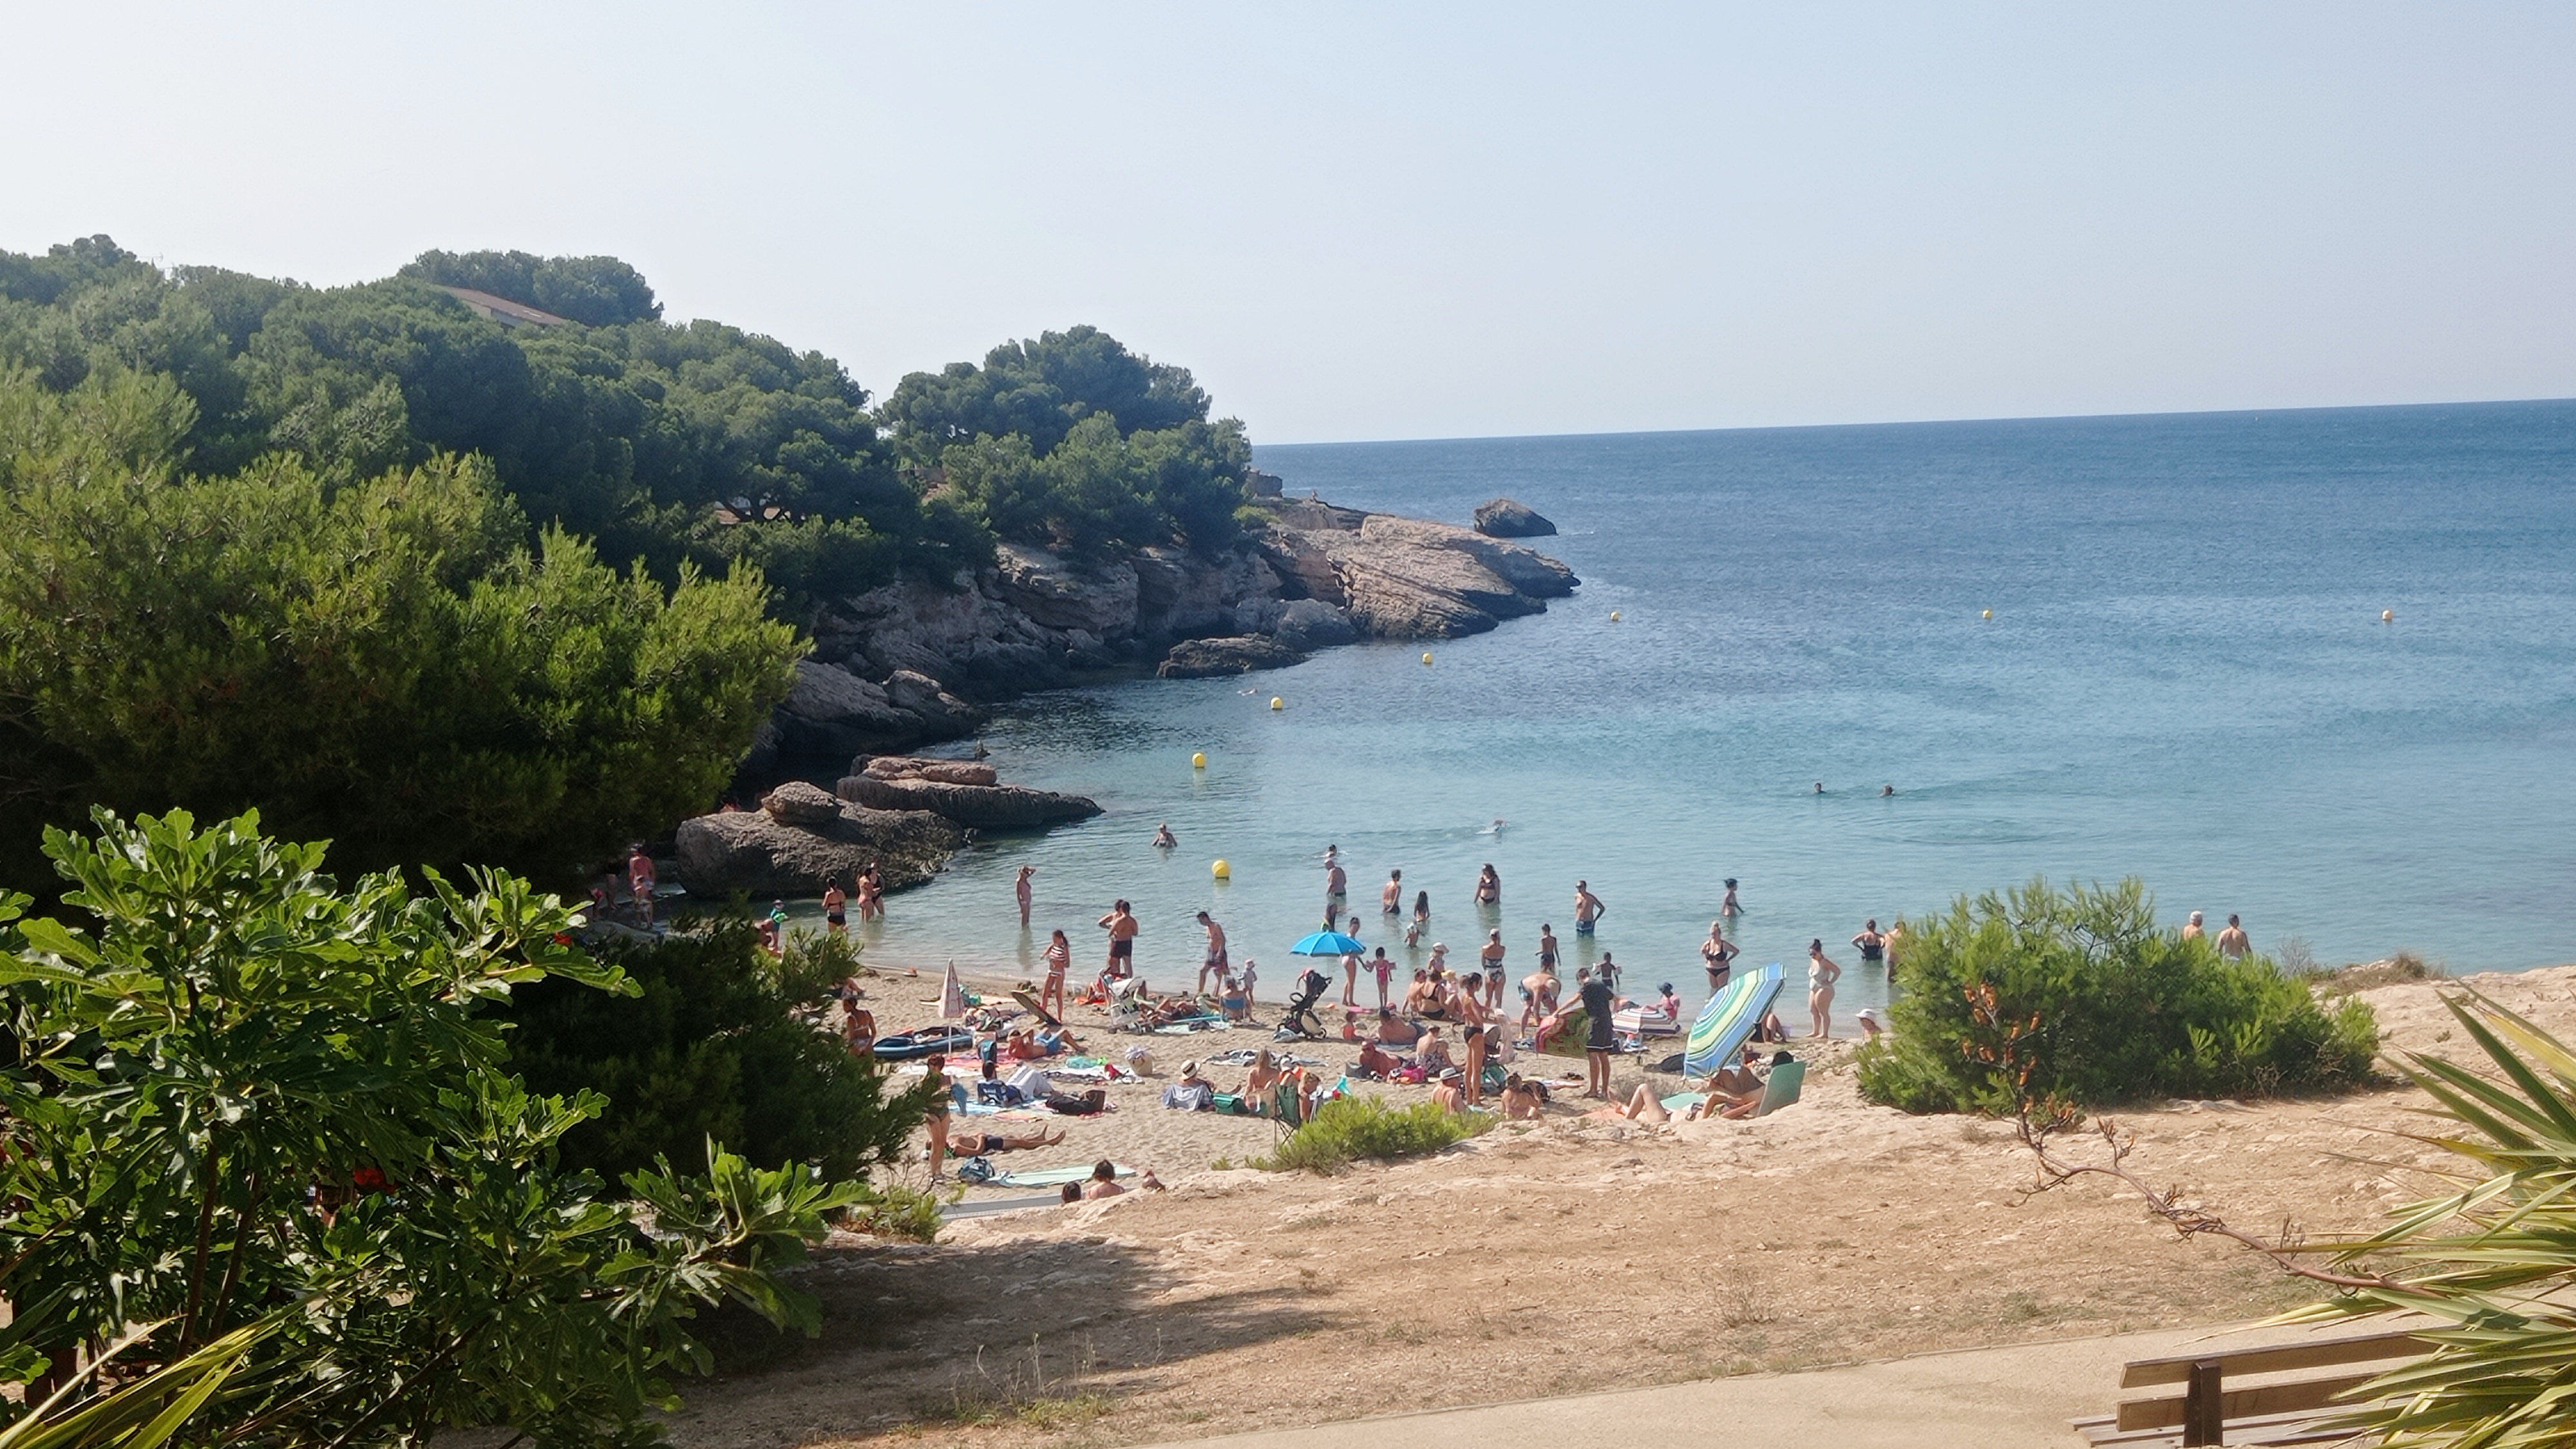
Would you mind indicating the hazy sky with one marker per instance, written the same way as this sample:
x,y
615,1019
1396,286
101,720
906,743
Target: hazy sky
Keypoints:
x,y
1407,221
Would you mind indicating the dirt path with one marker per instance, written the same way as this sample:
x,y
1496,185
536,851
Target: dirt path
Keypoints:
x,y
1572,1255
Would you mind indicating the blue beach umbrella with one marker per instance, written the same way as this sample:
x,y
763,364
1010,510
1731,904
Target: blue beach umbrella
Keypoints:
x,y
1729,1019
1326,943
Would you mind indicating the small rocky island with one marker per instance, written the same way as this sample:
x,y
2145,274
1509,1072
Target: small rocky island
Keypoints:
x,y
915,662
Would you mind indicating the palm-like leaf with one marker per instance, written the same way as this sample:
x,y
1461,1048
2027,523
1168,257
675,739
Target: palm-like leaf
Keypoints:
x,y
2492,1262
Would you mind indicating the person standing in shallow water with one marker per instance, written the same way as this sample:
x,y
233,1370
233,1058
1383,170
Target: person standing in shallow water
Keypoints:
x,y
1588,909
1822,973
1716,953
1730,908
1020,888
1489,886
1390,901
1873,946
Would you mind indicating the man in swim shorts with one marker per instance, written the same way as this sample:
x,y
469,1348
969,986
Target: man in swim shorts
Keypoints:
x,y
1587,908
1391,900
2233,943
1121,925
1215,960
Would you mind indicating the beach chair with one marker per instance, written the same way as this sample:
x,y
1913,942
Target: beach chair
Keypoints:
x,y
1781,1087
1287,1107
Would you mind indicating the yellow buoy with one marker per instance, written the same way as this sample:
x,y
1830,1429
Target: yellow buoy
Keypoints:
x,y
2388,616
1614,616
1426,658
1221,871
1198,761
1987,614
1277,703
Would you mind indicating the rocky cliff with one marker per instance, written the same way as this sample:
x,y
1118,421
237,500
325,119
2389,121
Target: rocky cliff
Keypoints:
x,y
908,663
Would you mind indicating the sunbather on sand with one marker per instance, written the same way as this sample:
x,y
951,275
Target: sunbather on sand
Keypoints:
x,y
1447,1096
979,1144
1642,1106
1521,1100
1376,1061
1393,1030
1432,1054
1264,1076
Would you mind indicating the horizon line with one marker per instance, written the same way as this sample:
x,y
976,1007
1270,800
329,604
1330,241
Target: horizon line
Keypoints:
x,y
1917,422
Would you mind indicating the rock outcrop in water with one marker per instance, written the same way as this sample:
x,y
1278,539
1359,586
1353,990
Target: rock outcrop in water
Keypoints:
x,y
801,839
1509,518
967,794
905,664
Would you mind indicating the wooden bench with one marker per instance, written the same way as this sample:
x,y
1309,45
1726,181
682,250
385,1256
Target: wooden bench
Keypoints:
x,y
2285,1409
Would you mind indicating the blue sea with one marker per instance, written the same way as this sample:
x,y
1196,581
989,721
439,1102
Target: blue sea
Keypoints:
x,y
2185,679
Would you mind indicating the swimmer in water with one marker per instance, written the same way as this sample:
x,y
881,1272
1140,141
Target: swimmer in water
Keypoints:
x,y
1730,906
1885,790
1163,838
1820,787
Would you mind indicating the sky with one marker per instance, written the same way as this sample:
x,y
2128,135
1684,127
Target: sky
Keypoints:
x,y
1374,221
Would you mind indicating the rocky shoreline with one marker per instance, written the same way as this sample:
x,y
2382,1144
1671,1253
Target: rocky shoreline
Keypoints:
x,y
916,662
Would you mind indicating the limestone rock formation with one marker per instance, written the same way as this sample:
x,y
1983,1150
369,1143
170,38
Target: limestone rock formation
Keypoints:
x,y
1508,518
755,852
1231,654
799,803
984,807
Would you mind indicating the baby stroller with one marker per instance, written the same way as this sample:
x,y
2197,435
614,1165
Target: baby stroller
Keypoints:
x,y
1300,1024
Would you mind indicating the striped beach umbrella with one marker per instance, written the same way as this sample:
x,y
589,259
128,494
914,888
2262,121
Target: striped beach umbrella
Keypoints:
x,y
1729,1020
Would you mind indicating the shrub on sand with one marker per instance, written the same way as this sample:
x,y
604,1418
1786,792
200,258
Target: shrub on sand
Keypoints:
x,y
2122,1010
1351,1129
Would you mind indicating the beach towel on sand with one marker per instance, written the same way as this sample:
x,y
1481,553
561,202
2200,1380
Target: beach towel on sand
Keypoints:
x,y
1053,1176
1729,1020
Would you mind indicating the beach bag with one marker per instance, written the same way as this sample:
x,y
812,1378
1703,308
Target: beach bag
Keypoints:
x,y
975,1170
998,1094
1088,1104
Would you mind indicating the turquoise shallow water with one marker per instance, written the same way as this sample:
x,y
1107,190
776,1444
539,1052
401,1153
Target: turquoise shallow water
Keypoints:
x,y
2185,679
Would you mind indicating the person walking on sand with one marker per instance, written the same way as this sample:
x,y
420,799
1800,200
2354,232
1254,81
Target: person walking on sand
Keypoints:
x,y
1350,980
1390,901
2191,929
1715,953
1588,909
1873,945
1215,959
1059,960
1597,1037
1020,888
1730,908
836,910
1120,923
2233,943
1822,973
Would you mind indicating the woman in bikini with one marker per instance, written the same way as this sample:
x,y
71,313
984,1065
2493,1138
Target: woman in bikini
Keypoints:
x,y
1059,960
1489,887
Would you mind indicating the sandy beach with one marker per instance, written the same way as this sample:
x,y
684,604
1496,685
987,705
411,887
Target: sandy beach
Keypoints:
x,y
1553,1257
